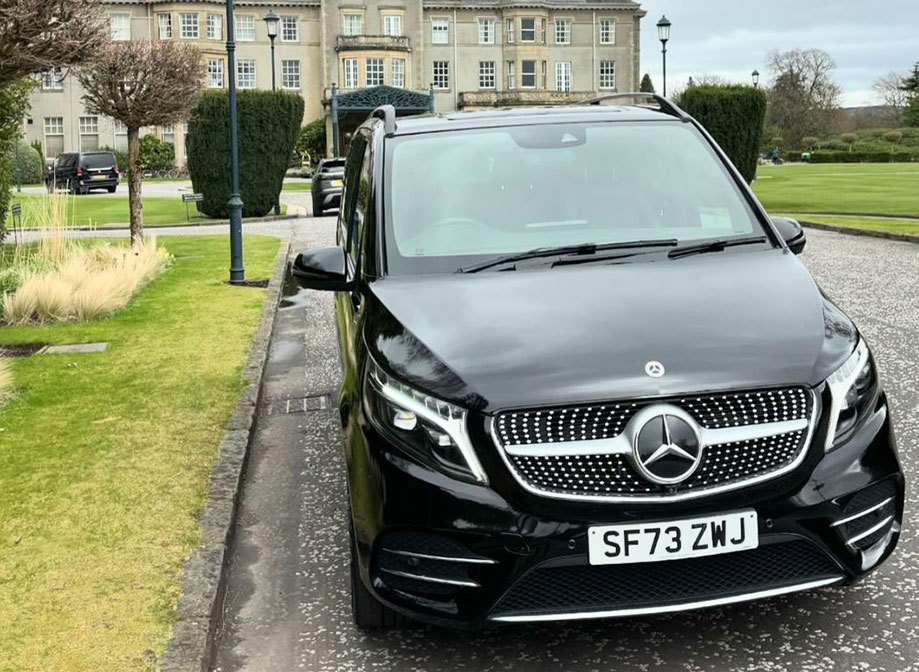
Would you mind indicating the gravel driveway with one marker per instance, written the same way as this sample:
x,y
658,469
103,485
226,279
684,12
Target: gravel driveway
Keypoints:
x,y
288,601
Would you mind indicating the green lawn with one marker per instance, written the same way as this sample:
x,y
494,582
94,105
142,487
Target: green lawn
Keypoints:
x,y
104,211
888,224
104,462
858,188
298,186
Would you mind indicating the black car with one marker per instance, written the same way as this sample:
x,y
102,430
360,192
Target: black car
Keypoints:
x,y
327,185
585,376
81,172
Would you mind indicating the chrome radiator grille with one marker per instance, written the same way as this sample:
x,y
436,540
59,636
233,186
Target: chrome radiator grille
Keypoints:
x,y
551,451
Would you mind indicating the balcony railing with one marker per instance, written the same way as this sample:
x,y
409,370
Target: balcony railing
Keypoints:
x,y
517,97
364,42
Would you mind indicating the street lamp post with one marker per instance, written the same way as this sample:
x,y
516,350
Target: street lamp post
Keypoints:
x,y
271,23
663,34
235,204
755,75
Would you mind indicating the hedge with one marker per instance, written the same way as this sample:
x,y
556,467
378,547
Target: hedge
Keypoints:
x,y
269,122
28,167
14,101
845,156
734,116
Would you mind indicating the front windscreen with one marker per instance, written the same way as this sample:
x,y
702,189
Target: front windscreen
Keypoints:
x,y
455,198
101,160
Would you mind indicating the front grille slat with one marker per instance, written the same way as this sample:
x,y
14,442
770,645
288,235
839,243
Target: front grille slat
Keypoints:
x,y
613,475
585,588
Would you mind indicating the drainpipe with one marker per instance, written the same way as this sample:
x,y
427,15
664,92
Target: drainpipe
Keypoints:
x,y
455,63
593,55
333,111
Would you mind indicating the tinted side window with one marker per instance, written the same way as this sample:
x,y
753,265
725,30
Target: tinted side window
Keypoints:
x,y
363,205
349,196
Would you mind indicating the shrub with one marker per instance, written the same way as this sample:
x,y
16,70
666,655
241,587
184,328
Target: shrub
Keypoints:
x,y
809,141
155,155
14,100
27,164
893,136
856,156
269,122
311,141
36,145
734,116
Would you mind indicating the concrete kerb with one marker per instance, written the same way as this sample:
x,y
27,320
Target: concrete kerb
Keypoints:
x,y
197,614
851,231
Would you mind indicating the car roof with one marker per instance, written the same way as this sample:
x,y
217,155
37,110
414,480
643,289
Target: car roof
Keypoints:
x,y
525,116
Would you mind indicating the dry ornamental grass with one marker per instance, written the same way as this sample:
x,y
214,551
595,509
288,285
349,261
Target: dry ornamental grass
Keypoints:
x,y
64,281
6,379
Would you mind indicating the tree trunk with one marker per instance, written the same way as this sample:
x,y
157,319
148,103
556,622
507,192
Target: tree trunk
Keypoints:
x,y
135,180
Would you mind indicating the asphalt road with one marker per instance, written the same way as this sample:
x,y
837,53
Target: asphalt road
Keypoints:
x,y
288,599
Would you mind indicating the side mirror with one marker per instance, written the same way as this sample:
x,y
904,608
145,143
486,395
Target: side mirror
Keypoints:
x,y
323,268
791,232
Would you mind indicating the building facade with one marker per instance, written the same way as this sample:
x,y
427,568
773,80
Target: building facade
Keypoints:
x,y
453,54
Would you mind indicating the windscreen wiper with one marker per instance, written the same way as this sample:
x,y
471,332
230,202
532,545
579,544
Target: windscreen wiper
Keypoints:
x,y
633,245
713,246
573,251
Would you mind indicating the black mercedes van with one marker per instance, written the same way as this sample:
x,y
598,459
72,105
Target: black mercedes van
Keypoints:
x,y
585,375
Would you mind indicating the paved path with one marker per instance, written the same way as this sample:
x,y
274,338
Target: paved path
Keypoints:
x,y
288,600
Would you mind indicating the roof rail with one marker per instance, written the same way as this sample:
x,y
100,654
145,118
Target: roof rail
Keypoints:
x,y
666,106
388,114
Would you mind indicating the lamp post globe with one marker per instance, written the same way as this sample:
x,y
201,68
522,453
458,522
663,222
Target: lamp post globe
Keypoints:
x,y
663,34
755,75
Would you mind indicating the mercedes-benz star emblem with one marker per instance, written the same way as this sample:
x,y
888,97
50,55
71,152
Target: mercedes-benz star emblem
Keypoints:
x,y
654,369
666,448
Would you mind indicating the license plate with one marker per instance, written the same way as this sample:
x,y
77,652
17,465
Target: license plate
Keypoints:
x,y
99,177
336,183
688,538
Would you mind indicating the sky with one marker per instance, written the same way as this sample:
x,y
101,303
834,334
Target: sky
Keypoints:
x,y
731,38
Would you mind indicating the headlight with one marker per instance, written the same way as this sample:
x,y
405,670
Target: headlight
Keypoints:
x,y
853,387
432,428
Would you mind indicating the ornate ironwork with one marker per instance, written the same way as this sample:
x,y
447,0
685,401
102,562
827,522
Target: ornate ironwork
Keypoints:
x,y
367,100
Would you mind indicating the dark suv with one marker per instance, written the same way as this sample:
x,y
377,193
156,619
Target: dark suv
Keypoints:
x,y
585,375
327,185
81,172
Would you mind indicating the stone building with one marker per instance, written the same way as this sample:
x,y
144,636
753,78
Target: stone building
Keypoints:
x,y
350,55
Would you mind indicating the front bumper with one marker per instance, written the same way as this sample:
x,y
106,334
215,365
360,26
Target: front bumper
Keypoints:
x,y
492,554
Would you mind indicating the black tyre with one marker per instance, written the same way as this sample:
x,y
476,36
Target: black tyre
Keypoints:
x,y
111,190
317,208
368,612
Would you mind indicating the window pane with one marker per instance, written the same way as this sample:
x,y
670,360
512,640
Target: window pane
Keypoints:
x,y
528,74
441,74
607,31
563,76
527,30
398,72
486,31
486,74
440,31
353,24
563,31
392,25
245,73
351,73
607,74
214,27
188,26
290,75
215,73
120,25
164,21
245,28
290,29
374,74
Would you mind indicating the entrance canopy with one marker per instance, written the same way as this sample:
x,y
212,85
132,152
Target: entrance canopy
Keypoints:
x,y
359,103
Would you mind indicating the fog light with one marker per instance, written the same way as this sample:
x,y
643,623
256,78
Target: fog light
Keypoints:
x,y
405,420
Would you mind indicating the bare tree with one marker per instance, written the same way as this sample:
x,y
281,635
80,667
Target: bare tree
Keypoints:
x,y
37,35
803,98
142,83
889,90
